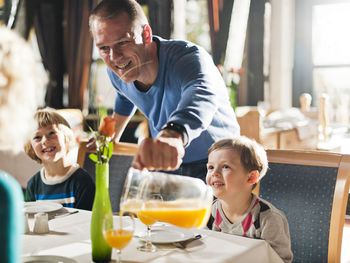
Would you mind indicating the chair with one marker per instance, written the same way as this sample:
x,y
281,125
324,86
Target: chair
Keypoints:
x,y
312,189
300,137
250,122
118,167
11,219
75,118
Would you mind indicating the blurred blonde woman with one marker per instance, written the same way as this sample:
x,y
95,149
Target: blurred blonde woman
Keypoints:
x,y
21,91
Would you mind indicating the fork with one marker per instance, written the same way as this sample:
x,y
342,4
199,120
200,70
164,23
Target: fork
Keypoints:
x,y
65,214
183,244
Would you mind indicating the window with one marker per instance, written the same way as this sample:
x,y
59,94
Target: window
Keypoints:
x,y
197,24
331,56
101,91
322,54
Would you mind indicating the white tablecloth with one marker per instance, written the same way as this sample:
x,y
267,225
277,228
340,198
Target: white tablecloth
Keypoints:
x,y
70,237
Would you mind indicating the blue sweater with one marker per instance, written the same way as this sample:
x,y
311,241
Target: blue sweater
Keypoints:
x,y
189,90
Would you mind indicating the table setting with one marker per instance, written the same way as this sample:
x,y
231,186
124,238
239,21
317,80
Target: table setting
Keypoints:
x,y
176,236
41,212
69,238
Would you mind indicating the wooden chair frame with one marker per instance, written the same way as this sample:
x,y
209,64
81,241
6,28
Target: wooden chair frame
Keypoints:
x,y
326,159
120,148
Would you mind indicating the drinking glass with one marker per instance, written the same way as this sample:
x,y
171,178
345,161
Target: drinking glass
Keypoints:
x,y
186,201
148,221
118,232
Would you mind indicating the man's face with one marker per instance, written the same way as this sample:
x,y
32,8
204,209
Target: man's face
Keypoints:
x,y
121,49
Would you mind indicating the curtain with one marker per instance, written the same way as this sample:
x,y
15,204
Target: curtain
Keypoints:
x,y
78,46
65,45
255,52
159,12
49,32
219,22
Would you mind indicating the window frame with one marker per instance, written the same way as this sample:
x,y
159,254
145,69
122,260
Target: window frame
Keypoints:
x,y
303,64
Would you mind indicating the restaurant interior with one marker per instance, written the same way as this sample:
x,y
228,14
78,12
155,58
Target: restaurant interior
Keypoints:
x,y
286,65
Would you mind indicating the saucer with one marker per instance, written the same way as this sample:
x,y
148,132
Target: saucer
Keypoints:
x,y
47,259
41,207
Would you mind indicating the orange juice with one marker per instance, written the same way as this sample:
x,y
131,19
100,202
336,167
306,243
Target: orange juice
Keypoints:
x,y
187,218
183,213
146,219
118,238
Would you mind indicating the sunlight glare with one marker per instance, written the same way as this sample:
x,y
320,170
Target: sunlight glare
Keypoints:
x,y
330,35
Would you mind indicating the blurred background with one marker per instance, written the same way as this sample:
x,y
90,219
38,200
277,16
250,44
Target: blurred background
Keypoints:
x,y
286,63
279,48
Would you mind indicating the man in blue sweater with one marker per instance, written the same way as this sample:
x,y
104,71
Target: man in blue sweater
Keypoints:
x,y
174,83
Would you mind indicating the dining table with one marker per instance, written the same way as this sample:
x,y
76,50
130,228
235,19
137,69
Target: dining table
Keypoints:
x,y
69,237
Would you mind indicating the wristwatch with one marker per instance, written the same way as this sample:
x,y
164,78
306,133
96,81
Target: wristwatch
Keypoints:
x,y
172,126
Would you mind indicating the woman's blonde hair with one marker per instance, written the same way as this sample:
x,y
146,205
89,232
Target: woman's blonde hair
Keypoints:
x,y
46,117
22,84
252,155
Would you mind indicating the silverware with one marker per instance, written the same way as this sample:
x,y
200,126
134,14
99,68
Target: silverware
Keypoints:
x,y
183,244
65,214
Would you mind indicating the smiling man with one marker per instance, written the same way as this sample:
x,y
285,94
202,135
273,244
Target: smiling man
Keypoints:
x,y
174,83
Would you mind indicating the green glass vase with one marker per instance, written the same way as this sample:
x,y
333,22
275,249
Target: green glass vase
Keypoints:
x,y
101,251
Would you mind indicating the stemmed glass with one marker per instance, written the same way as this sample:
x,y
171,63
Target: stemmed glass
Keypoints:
x,y
148,221
119,233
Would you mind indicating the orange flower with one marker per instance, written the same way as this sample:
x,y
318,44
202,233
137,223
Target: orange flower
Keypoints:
x,y
107,126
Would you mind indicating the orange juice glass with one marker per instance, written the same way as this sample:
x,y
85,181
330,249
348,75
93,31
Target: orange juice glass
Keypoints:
x,y
118,238
118,232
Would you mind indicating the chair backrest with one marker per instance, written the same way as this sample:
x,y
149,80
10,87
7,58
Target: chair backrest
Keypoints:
x,y
119,164
249,120
312,190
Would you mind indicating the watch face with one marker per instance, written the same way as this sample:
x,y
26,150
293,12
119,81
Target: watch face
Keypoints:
x,y
179,129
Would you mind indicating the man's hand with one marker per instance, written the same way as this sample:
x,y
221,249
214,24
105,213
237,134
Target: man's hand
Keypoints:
x,y
91,144
162,153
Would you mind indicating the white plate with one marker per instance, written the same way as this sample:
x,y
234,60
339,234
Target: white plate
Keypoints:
x,y
41,207
166,235
47,259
